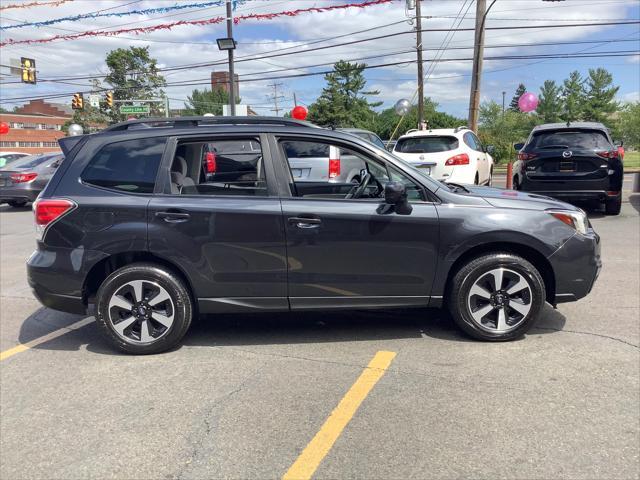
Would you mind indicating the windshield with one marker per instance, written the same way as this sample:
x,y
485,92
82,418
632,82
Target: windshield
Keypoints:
x,y
427,144
31,161
578,139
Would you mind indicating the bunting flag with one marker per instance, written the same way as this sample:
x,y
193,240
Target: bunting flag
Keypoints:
x,y
55,3
209,21
146,11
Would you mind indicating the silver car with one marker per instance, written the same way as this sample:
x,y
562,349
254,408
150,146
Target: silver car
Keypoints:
x,y
22,180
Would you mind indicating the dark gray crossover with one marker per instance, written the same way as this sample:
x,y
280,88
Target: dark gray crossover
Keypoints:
x,y
156,221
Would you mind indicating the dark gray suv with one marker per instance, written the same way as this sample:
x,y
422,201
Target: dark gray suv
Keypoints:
x,y
157,221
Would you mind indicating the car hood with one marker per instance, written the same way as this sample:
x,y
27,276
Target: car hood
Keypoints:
x,y
501,198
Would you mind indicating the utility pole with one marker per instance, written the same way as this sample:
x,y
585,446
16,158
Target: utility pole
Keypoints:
x,y
503,94
275,97
420,73
232,80
478,53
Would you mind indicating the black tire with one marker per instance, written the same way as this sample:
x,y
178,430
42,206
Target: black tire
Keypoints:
x,y
458,297
516,184
181,303
613,205
17,203
490,181
476,181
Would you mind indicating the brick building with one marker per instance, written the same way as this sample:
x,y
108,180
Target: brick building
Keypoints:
x,y
221,79
35,127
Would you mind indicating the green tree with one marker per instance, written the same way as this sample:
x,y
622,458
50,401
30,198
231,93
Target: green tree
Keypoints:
x,y
550,103
600,96
207,101
573,97
513,106
343,101
133,74
628,125
502,131
388,119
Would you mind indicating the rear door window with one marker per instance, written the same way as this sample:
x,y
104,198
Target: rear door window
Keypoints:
x,y
566,139
430,144
129,166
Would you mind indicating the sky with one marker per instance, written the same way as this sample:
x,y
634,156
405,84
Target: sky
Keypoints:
x,y
447,79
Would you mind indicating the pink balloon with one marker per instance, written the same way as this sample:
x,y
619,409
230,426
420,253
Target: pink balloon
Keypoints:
x,y
528,102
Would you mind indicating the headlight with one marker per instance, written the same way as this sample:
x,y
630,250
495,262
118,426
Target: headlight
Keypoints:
x,y
577,220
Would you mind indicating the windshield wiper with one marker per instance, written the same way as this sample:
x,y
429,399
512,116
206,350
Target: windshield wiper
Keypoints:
x,y
456,187
556,146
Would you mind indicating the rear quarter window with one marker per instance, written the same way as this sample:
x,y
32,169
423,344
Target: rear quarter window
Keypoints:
x,y
129,166
430,144
587,139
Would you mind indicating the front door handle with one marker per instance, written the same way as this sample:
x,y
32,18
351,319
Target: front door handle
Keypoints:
x,y
173,217
304,222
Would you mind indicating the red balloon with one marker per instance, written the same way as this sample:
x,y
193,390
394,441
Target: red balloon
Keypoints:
x,y
4,128
299,113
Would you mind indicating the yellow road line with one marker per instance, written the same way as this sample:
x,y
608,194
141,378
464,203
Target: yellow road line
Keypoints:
x,y
45,338
309,460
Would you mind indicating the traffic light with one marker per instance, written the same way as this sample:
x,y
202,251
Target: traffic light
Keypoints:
x,y
28,70
109,99
77,102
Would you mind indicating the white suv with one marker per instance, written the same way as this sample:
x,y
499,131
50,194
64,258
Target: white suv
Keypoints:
x,y
448,154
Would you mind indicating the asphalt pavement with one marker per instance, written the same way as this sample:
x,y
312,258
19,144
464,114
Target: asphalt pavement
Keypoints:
x,y
246,395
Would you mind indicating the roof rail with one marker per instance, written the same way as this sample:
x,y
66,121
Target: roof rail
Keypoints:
x,y
462,127
174,122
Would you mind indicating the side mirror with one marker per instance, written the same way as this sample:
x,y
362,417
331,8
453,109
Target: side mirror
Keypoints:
x,y
491,149
395,194
518,146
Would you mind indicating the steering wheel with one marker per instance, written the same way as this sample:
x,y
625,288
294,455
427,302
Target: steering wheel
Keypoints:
x,y
357,192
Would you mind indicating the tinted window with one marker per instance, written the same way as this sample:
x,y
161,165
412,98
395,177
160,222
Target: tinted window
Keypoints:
x,y
470,139
588,139
130,166
31,161
306,149
219,167
430,144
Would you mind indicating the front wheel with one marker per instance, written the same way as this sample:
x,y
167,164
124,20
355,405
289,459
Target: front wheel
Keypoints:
x,y
496,297
143,308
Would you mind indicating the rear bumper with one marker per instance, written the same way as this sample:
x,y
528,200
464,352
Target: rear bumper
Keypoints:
x,y
577,265
18,194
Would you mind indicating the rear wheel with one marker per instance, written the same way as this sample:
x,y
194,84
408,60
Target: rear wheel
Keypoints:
x,y
143,308
476,180
17,203
490,181
516,184
496,297
613,205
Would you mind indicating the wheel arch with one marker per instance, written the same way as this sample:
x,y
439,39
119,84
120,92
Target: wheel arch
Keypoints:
x,y
105,267
527,252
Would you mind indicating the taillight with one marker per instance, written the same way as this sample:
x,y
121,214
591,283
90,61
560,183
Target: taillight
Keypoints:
x,y
23,177
334,167
210,162
48,211
526,156
462,159
608,153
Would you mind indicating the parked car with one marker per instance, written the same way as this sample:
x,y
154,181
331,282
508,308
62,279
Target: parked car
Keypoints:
x,y
453,155
573,162
134,224
22,180
8,157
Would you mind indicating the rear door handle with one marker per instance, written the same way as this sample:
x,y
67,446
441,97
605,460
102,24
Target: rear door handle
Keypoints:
x,y
305,222
173,217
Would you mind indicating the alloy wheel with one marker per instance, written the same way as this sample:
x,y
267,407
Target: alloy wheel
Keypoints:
x,y
141,311
500,300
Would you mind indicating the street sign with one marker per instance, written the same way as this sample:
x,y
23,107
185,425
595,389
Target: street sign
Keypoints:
x,y
94,100
134,109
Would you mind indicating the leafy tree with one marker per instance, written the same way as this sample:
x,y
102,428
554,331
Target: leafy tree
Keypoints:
x,y
89,118
133,74
513,106
550,103
388,119
573,97
600,94
502,131
207,101
343,101
628,125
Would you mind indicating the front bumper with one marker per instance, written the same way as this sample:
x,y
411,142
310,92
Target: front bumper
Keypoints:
x,y
577,265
